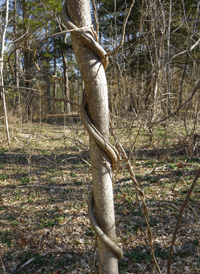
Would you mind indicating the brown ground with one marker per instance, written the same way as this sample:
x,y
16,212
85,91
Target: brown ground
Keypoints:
x,y
44,183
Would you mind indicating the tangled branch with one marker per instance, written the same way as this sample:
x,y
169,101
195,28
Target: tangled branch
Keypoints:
x,y
179,218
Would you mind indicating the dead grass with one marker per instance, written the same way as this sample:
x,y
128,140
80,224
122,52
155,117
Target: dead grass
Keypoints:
x,y
44,183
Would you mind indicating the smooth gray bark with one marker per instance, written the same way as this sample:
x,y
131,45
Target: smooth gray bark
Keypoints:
x,y
2,90
96,93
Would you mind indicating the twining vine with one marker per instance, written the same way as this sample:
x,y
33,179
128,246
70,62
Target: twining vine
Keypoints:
x,y
112,153
110,150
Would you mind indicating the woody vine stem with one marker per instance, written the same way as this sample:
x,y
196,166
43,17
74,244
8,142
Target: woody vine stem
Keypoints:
x,y
87,39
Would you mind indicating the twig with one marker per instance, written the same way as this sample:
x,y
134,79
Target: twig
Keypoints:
x,y
152,171
95,17
19,89
3,266
133,144
142,197
25,264
8,59
171,206
75,140
184,51
123,31
47,37
197,87
179,218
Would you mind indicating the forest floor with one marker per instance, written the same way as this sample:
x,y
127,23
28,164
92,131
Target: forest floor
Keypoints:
x,y
45,178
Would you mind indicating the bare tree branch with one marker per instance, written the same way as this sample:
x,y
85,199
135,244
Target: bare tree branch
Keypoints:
x,y
179,218
123,31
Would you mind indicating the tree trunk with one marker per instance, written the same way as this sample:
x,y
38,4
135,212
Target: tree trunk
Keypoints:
x,y
47,79
96,105
54,84
2,90
16,102
27,63
67,108
48,93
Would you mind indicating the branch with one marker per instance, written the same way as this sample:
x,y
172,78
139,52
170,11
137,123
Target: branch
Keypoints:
x,y
179,218
123,31
185,51
47,37
8,59
40,96
197,86
181,53
141,195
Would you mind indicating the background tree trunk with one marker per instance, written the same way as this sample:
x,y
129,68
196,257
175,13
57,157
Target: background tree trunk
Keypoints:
x,y
2,91
96,94
54,84
16,102
67,108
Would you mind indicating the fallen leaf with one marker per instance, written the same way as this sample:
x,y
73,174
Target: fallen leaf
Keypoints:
x,y
55,272
179,165
22,242
125,211
123,197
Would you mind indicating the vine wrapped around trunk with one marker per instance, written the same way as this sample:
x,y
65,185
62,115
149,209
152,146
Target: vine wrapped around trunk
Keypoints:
x,y
92,62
